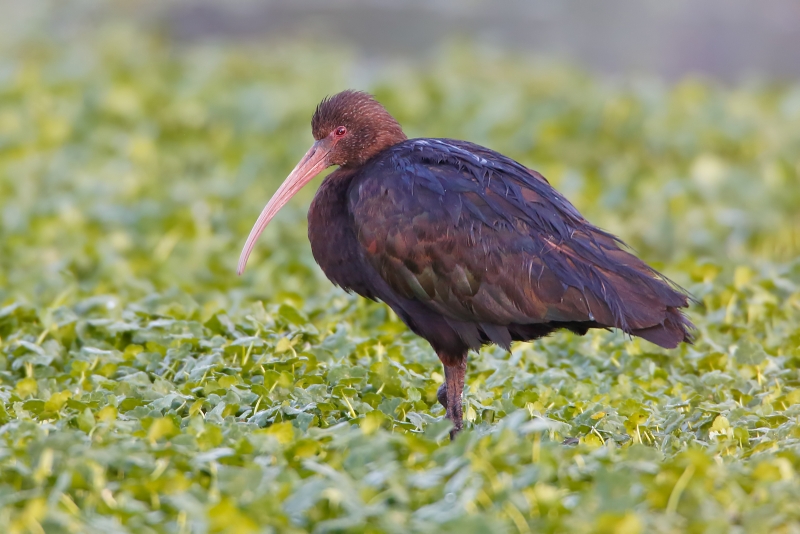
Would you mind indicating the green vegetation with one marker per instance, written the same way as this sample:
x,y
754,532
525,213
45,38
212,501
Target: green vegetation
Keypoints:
x,y
144,387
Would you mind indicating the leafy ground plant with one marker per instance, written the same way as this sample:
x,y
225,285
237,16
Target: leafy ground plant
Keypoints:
x,y
145,388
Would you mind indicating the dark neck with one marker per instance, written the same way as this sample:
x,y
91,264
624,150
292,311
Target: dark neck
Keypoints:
x,y
340,178
377,145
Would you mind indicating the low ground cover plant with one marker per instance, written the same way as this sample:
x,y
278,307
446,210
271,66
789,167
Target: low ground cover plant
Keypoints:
x,y
146,388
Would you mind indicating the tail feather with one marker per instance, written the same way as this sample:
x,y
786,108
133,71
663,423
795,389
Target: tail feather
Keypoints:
x,y
649,302
675,329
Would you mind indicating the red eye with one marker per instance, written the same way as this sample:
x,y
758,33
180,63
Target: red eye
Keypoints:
x,y
340,131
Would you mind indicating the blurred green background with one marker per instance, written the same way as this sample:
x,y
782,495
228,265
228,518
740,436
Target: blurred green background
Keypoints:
x,y
144,387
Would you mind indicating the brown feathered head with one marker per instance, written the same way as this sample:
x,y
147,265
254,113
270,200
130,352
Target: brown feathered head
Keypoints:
x,y
350,128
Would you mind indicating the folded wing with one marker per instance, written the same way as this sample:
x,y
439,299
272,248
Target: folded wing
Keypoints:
x,y
480,238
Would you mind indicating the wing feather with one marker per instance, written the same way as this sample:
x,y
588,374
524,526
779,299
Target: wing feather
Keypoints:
x,y
478,237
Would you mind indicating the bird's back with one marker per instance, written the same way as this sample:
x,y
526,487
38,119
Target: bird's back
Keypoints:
x,y
484,241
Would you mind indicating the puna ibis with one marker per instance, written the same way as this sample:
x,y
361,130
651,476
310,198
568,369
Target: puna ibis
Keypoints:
x,y
466,245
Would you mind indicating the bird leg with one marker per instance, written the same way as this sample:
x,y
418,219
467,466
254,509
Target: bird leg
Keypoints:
x,y
449,394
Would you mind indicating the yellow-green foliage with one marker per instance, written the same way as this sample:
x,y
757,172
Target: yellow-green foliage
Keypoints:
x,y
146,388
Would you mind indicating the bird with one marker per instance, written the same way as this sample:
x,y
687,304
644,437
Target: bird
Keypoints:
x,y
467,246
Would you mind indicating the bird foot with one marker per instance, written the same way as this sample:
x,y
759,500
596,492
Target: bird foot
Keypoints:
x,y
458,425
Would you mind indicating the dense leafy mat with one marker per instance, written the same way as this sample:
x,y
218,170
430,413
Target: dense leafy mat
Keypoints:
x,y
145,388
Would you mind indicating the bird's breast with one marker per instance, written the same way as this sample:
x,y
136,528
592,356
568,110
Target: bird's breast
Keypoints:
x,y
333,241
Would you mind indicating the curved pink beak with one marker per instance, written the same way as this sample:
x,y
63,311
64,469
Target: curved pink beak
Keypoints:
x,y
313,163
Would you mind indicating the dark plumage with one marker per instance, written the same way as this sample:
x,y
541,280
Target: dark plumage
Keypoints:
x,y
467,246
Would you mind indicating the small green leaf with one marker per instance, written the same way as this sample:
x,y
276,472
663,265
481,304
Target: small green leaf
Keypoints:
x,y
162,428
749,353
26,387
283,432
86,420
